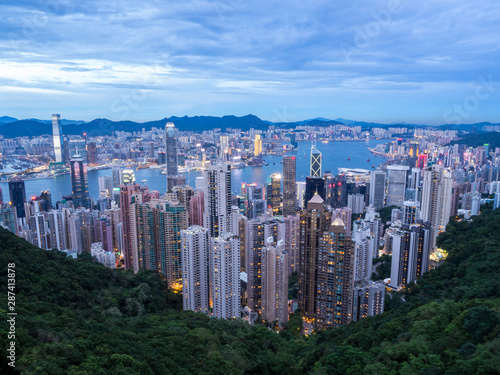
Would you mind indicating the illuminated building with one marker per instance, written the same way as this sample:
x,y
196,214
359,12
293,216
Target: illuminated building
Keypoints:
x,y
224,269
411,212
92,153
274,196
57,138
217,195
78,149
315,163
292,242
79,183
289,192
171,149
396,184
195,265
274,282
368,299
257,148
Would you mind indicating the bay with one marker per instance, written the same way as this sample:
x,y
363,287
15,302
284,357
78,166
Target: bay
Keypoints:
x,y
335,155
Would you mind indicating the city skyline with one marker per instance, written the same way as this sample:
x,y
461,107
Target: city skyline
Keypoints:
x,y
372,61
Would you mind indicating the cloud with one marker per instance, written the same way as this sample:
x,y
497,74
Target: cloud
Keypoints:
x,y
235,56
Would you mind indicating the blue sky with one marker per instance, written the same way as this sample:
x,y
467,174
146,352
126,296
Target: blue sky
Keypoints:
x,y
386,61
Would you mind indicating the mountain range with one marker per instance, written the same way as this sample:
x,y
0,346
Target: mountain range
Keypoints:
x,y
11,127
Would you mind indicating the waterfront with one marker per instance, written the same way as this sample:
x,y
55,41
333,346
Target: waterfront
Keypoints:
x,y
335,155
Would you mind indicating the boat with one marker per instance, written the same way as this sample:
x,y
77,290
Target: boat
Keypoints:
x,y
373,166
368,160
144,181
348,159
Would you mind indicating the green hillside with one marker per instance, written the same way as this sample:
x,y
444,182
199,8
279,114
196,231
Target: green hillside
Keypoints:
x,y
77,317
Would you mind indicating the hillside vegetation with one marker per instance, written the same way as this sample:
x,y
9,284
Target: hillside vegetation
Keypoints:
x,y
77,317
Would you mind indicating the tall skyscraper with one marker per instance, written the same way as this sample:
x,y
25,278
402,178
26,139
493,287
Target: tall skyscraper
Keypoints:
x,y
58,230
289,191
196,207
57,137
433,199
363,251
292,242
411,212
79,183
314,185
274,282
224,258
195,266
274,198
314,221
171,149
217,195
17,193
257,148
377,189
315,162
396,184
335,277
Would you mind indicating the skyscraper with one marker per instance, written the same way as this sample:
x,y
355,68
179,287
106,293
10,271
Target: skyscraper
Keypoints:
x,y
79,183
17,193
289,191
195,266
315,162
274,282
217,196
274,198
396,184
292,242
314,221
433,199
224,271
314,185
57,137
171,149
257,148
377,189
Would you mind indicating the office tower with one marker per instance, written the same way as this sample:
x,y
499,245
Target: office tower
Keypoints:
x,y
363,251
224,147
57,137
274,282
258,230
301,190
400,263
58,230
162,157
7,219
314,221
46,197
255,205
396,184
432,199
171,149
78,149
316,157
292,242
38,226
195,266
217,195
17,193
411,212
335,271
274,196
196,208
344,214
92,153
414,178
356,202
368,299
257,148
314,185
377,189
79,183
289,192
224,269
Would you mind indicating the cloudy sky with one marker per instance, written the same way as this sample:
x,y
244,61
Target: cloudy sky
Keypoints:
x,y
373,60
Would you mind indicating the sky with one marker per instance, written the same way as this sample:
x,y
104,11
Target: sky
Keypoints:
x,y
431,62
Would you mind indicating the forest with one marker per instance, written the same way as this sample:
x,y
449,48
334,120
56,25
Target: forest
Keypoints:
x,y
75,316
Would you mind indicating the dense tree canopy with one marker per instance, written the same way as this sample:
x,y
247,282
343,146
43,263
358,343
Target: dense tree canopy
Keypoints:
x,y
77,317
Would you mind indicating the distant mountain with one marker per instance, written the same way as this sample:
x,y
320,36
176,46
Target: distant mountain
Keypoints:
x,y
97,127
7,119
475,140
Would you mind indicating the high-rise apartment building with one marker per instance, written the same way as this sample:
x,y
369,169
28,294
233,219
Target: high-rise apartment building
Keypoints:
x,y
292,238
195,269
57,138
368,299
274,291
217,195
289,191
196,207
224,268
